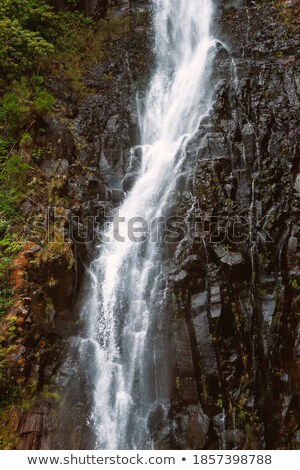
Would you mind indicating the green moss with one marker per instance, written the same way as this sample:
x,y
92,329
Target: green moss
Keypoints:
x,y
8,435
294,284
50,395
22,105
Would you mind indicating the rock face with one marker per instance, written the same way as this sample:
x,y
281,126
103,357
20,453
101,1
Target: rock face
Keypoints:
x,y
235,320
229,355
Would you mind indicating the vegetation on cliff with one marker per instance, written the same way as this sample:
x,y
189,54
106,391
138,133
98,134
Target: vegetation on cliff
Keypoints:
x,y
41,50
35,42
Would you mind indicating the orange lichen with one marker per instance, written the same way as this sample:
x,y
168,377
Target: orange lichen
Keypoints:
x,y
20,263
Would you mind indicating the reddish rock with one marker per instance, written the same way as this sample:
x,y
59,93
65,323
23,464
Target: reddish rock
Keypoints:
x,y
28,442
32,424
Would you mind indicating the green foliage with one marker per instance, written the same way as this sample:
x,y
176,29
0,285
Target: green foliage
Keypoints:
x,y
27,32
33,15
178,384
13,174
26,140
23,104
9,247
5,145
5,292
33,38
220,402
294,284
13,111
43,101
12,182
20,49
58,250
83,42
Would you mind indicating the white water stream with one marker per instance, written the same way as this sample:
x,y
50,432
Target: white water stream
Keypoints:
x,y
118,308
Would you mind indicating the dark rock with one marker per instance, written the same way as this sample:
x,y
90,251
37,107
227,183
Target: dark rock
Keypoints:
x,y
232,259
60,139
33,250
179,278
202,333
117,196
185,367
32,424
128,181
192,428
155,417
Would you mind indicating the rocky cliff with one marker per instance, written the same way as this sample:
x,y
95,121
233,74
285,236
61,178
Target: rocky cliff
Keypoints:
x,y
229,336
234,286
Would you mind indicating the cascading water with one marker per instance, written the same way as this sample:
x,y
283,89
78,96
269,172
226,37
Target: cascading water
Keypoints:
x,y
120,305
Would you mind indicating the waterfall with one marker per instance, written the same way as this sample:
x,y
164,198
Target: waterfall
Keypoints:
x,y
124,276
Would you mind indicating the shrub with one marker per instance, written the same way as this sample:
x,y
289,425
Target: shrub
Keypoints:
x,y
12,184
20,49
23,103
13,112
43,101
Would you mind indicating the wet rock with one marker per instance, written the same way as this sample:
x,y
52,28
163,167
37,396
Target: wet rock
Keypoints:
x,y
268,299
185,367
191,262
191,428
199,303
96,189
232,259
128,181
179,278
155,418
297,440
60,139
135,159
292,246
117,196
297,184
235,267
293,369
202,332
215,302
212,146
